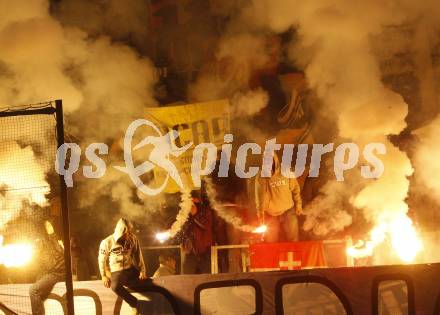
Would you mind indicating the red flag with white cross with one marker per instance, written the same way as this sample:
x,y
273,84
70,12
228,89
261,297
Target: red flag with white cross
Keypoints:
x,y
287,256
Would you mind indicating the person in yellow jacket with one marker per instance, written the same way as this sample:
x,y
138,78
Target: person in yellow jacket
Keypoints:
x,y
279,204
121,263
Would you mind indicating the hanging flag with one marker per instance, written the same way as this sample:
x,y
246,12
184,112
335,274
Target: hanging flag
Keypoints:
x,y
196,123
287,256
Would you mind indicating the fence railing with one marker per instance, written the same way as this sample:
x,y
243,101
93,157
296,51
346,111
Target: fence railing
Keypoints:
x,y
345,243
244,253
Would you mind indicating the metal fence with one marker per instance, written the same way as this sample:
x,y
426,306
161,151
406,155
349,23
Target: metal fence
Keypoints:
x,y
331,248
34,222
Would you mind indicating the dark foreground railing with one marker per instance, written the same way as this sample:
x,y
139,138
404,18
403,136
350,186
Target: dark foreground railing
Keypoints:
x,y
409,289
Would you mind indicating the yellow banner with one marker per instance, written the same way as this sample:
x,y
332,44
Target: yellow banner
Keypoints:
x,y
205,122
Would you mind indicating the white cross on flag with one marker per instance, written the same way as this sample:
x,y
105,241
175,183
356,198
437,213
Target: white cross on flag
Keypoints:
x,y
286,256
289,262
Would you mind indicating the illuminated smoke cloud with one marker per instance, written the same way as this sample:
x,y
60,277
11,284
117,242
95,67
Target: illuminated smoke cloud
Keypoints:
x,y
22,184
221,210
104,85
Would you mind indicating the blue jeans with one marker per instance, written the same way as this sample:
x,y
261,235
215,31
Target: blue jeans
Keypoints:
x,y
286,222
40,290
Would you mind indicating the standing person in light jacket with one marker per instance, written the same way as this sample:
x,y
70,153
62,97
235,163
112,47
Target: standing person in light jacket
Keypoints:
x,y
280,204
120,255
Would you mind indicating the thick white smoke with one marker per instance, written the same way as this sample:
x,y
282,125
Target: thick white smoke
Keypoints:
x,y
185,206
248,103
238,56
118,19
426,158
327,212
22,184
222,210
42,60
34,55
104,85
334,48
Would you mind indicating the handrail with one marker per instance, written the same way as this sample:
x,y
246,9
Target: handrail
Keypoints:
x,y
244,254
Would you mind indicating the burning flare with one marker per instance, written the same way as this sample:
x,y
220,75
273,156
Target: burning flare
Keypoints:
x,y
261,229
404,240
163,236
15,255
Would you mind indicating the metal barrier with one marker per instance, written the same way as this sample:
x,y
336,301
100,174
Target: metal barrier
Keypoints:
x,y
34,195
347,242
214,255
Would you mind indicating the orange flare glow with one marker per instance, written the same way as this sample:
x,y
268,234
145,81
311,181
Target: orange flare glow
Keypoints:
x,y
260,230
402,234
15,255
